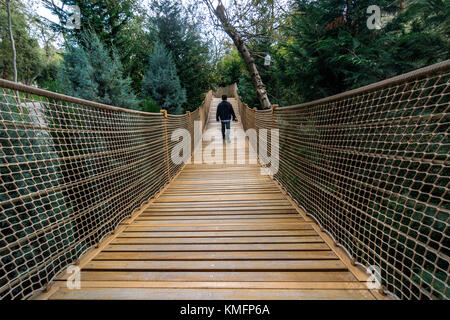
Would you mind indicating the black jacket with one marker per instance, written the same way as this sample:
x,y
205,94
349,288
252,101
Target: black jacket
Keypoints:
x,y
225,111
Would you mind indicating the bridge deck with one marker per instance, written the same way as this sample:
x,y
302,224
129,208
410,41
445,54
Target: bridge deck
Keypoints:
x,y
217,232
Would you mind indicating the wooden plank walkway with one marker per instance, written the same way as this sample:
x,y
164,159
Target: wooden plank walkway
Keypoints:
x,y
218,231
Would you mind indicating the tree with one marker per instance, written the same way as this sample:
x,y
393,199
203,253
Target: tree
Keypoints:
x,y
331,49
11,37
240,44
161,81
76,74
103,83
175,27
117,23
107,19
113,87
28,61
134,49
230,69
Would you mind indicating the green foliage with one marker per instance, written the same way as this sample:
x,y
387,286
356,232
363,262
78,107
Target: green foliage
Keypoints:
x,y
113,88
323,60
134,52
48,77
247,91
103,83
76,74
172,25
117,23
230,69
29,56
107,19
324,48
149,105
161,81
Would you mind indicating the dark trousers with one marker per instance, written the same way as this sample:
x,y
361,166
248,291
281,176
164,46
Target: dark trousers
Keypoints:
x,y
225,125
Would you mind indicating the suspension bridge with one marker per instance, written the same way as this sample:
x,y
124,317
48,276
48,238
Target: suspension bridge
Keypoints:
x,y
362,185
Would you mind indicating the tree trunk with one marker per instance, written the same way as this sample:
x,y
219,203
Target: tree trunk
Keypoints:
x,y
13,46
248,59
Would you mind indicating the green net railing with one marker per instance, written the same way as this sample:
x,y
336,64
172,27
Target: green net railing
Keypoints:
x,y
371,166
71,171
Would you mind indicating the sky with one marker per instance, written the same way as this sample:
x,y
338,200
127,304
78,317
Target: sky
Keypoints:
x,y
44,12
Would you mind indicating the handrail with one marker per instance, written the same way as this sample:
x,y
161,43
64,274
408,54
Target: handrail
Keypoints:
x,y
6,84
438,67
71,171
371,167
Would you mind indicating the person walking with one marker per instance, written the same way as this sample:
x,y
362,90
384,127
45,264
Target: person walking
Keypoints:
x,y
224,113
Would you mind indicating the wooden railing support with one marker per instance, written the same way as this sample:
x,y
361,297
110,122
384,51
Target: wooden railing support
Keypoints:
x,y
166,141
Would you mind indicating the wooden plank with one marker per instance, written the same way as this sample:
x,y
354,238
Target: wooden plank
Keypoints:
x,y
223,210
255,180
283,224
207,240
215,208
283,227
209,294
222,197
219,255
224,188
225,214
276,217
261,204
150,234
221,205
234,265
222,284
217,217
231,220
285,276
211,193
218,247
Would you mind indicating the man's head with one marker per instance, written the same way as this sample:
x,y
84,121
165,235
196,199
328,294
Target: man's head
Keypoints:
x,y
224,97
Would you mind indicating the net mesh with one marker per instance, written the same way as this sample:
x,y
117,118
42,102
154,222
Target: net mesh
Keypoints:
x,y
71,171
371,166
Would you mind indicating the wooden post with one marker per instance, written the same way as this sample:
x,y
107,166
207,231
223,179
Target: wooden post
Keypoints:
x,y
166,142
190,123
191,129
254,118
274,106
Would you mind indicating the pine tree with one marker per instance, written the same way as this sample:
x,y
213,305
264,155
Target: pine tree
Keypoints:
x,y
90,73
175,27
161,81
113,89
76,75
332,49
